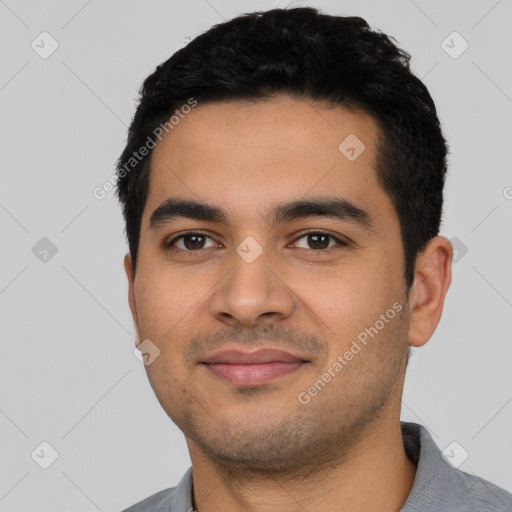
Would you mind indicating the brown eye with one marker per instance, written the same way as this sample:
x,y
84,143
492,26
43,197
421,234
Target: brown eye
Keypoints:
x,y
190,242
318,241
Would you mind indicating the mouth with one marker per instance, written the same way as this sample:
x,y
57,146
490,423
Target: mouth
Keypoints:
x,y
252,368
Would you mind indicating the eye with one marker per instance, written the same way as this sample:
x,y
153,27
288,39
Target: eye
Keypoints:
x,y
194,241
190,241
318,240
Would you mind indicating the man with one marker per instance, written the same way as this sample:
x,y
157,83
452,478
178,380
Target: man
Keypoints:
x,y
282,190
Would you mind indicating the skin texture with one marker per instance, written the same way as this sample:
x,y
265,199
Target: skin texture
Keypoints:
x,y
260,448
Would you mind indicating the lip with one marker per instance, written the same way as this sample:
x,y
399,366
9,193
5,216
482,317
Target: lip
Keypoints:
x,y
252,368
258,357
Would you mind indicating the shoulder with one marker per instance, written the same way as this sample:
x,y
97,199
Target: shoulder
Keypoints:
x,y
439,485
173,499
484,496
158,502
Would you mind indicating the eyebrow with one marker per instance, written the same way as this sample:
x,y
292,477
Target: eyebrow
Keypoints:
x,y
337,208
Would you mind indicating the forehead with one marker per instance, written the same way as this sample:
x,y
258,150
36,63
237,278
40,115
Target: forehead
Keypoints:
x,y
244,156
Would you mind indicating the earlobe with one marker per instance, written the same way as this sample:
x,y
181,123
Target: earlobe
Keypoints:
x,y
432,278
128,267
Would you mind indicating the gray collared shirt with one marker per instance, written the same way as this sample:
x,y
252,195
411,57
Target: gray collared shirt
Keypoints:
x,y
438,487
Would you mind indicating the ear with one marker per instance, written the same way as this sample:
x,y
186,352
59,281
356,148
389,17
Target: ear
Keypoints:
x,y
432,278
128,267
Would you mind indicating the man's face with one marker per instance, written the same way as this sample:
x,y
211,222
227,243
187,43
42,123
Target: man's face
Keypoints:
x,y
258,280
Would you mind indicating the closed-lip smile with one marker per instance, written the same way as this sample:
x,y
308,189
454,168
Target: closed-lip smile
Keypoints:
x,y
252,368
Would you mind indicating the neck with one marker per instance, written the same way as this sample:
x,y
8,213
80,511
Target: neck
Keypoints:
x,y
374,475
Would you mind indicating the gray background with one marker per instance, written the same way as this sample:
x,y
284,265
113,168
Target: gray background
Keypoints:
x,y
68,375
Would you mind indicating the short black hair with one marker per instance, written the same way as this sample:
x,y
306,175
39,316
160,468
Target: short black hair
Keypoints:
x,y
313,56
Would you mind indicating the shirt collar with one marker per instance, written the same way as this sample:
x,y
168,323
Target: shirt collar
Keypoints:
x,y
438,485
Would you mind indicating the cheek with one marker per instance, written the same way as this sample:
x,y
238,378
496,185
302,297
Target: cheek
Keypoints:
x,y
345,300
166,300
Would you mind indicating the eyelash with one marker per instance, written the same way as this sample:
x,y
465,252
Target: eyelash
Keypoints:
x,y
169,246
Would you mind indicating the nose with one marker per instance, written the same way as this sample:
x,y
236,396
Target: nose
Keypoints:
x,y
251,291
